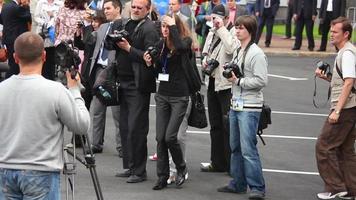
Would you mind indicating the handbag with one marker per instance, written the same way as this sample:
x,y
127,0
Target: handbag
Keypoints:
x,y
3,53
197,117
107,86
265,120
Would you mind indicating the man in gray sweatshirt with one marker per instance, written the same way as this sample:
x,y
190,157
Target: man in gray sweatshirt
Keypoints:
x,y
33,113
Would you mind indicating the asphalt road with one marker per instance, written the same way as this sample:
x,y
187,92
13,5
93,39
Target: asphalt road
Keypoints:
x,y
288,158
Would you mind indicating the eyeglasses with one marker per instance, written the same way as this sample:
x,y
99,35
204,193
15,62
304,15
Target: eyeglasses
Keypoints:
x,y
136,7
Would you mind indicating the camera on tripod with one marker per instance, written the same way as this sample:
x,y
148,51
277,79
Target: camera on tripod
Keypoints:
x,y
231,67
67,58
211,65
323,66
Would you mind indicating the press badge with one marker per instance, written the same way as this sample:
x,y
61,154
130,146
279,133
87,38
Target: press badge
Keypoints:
x,y
237,104
163,77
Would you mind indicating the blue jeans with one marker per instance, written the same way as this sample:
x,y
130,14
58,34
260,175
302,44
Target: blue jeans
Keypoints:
x,y
250,7
29,185
246,168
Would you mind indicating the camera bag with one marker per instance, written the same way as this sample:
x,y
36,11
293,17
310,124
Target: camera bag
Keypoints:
x,y
107,81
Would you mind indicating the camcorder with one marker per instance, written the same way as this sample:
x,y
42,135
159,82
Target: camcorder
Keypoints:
x,y
211,65
231,67
66,58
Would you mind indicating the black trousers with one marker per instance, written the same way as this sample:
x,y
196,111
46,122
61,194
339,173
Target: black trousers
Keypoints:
x,y
289,22
14,68
266,19
170,112
309,24
325,30
218,108
134,126
48,70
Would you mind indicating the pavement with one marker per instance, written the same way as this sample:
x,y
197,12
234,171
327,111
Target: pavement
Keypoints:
x,y
283,47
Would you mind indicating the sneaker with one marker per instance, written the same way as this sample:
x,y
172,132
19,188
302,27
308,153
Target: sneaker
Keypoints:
x,y
347,197
256,195
171,179
69,146
227,189
329,195
153,157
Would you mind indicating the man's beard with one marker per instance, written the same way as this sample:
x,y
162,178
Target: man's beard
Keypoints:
x,y
135,17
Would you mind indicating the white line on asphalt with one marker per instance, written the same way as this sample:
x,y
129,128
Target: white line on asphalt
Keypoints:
x,y
266,136
287,77
290,172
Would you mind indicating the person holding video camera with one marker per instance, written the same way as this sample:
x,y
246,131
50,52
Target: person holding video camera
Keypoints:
x,y
101,59
248,78
137,82
218,49
33,113
335,152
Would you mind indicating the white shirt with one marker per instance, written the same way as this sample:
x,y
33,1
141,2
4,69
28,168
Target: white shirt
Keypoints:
x,y
41,13
330,6
348,65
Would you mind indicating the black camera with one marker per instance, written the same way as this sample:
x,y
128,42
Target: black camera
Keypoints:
x,y
231,67
323,66
67,58
117,36
153,52
80,24
211,65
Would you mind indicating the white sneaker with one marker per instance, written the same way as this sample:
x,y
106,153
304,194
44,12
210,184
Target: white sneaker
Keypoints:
x,y
329,195
70,145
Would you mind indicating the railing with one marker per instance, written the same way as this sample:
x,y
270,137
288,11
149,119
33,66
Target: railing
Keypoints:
x,y
351,14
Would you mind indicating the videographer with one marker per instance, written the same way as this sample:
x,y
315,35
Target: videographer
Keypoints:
x,y
33,113
245,111
335,152
218,49
101,59
137,83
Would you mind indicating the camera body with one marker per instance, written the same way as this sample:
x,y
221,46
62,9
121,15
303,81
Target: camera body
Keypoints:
x,y
231,67
80,24
211,65
67,57
117,35
153,52
323,66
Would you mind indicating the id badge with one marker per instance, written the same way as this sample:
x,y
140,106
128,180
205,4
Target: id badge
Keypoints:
x,y
237,104
163,77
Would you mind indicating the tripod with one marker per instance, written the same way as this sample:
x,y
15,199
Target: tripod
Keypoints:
x,y
88,161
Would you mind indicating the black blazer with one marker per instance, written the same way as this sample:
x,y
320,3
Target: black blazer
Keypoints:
x,y
260,6
309,8
338,8
15,19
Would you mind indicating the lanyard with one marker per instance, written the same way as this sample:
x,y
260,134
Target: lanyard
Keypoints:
x,y
165,68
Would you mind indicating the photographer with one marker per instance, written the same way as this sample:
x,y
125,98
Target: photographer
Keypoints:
x,y
335,152
101,59
218,49
33,113
137,83
245,110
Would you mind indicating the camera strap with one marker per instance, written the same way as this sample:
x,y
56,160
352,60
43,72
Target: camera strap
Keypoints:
x,y
243,57
353,90
314,95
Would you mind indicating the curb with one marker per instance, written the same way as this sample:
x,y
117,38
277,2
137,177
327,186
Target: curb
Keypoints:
x,y
309,54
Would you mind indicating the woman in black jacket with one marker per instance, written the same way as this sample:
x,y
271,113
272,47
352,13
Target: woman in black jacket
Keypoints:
x,y
172,97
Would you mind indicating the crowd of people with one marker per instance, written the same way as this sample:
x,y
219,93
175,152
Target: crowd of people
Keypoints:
x,y
153,47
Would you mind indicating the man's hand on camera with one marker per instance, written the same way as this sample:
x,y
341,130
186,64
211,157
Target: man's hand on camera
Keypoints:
x,y
72,82
321,74
124,44
233,78
333,117
147,58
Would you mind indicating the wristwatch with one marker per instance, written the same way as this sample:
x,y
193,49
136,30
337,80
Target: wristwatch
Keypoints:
x,y
337,112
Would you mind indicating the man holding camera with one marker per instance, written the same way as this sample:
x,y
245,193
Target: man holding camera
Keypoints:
x,y
102,58
248,79
33,113
137,82
218,49
335,152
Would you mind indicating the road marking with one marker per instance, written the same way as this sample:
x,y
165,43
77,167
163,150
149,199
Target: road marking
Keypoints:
x,y
266,136
290,172
287,77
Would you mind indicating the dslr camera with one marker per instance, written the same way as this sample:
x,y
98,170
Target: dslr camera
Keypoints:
x,y
211,65
231,67
153,52
323,66
117,35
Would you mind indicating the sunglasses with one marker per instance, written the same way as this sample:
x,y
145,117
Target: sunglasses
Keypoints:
x,y
136,7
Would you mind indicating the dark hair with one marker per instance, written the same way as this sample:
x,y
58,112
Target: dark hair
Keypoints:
x,y
115,3
346,25
250,23
75,4
183,30
29,48
99,16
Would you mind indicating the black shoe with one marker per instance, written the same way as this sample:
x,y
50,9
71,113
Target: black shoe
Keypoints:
x,y
124,174
209,168
136,179
180,178
320,50
311,48
267,45
160,184
227,189
295,48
